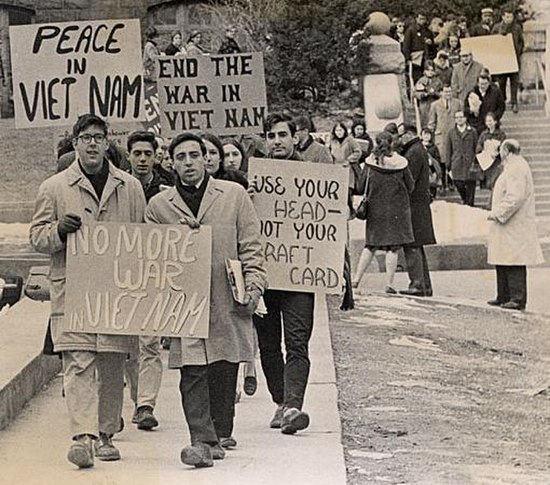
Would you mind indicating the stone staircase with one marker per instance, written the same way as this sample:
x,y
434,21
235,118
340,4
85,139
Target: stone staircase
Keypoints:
x,y
531,128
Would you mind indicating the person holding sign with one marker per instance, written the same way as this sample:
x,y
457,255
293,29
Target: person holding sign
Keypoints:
x,y
510,26
89,190
288,311
209,366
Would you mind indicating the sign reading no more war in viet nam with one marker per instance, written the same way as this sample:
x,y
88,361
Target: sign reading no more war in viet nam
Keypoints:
x,y
225,94
302,209
63,70
138,279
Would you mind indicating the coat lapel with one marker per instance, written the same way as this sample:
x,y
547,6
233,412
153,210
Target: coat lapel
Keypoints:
x,y
179,203
210,195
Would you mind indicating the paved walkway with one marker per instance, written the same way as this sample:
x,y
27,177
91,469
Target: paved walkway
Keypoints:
x,y
33,449
470,287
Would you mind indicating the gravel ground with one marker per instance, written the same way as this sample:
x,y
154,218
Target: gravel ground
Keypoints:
x,y
433,393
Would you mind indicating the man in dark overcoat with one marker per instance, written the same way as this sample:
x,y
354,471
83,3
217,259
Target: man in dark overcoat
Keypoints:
x,y
421,216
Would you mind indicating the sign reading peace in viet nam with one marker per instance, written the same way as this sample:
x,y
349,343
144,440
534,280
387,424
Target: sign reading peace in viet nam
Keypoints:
x,y
138,279
221,93
63,70
302,209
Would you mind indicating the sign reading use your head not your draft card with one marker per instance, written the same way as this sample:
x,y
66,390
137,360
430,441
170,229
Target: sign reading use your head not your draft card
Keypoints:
x,y
138,279
64,70
302,209
224,94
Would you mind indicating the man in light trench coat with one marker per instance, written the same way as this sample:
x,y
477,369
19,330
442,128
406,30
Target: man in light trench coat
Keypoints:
x,y
513,242
209,367
91,189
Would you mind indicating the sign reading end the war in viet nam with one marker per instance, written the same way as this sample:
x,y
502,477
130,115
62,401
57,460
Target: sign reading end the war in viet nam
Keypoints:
x,y
221,93
63,70
302,209
495,52
138,279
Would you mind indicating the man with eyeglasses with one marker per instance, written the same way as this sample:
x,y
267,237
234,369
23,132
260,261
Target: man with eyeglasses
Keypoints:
x,y
91,189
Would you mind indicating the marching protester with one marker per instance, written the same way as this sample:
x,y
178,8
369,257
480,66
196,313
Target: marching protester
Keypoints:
x,y
461,154
309,149
229,44
234,156
465,75
490,140
289,315
486,24
427,90
420,283
193,46
151,53
175,48
484,98
417,45
513,242
440,120
387,187
144,367
89,190
508,25
209,366
359,132
434,160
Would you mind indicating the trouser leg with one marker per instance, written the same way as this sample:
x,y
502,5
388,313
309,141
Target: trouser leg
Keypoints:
x,y
131,370
222,382
461,189
81,391
517,284
269,331
470,192
415,268
427,281
501,80
150,371
195,399
514,85
503,293
110,366
297,311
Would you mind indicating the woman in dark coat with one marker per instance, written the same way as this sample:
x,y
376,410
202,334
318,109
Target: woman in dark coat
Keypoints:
x,y
389,227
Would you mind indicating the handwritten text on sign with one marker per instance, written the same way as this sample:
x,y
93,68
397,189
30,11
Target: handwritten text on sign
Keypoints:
x,y
138,279
61,71
221,93
302,209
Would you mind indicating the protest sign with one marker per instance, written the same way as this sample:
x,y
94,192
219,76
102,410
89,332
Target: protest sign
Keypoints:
x,y
63,70
221,93
302,209
138,279
495,52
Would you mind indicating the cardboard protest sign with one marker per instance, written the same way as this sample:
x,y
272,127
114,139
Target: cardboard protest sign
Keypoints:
x,y
63,70
138,279
495,52
302,209
221,93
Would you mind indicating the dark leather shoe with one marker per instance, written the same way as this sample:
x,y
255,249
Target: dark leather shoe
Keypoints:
x,y
412,292
294,420
494,302
512,305
146,419
218,453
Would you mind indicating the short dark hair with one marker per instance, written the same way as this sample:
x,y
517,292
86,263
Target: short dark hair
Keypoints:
x,y
303,121
151,32
511,145
273,118
88,120
186,136
146,136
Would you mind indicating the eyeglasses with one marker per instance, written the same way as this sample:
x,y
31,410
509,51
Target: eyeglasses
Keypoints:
x,y
87,138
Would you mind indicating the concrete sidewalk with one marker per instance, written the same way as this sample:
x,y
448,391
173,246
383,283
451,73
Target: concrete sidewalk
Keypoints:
x,y
471,287
33,448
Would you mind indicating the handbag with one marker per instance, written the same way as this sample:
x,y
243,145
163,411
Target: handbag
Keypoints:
x,y
362,209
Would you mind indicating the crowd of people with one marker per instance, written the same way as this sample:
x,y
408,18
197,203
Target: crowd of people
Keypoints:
x,y
201,179
458,99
